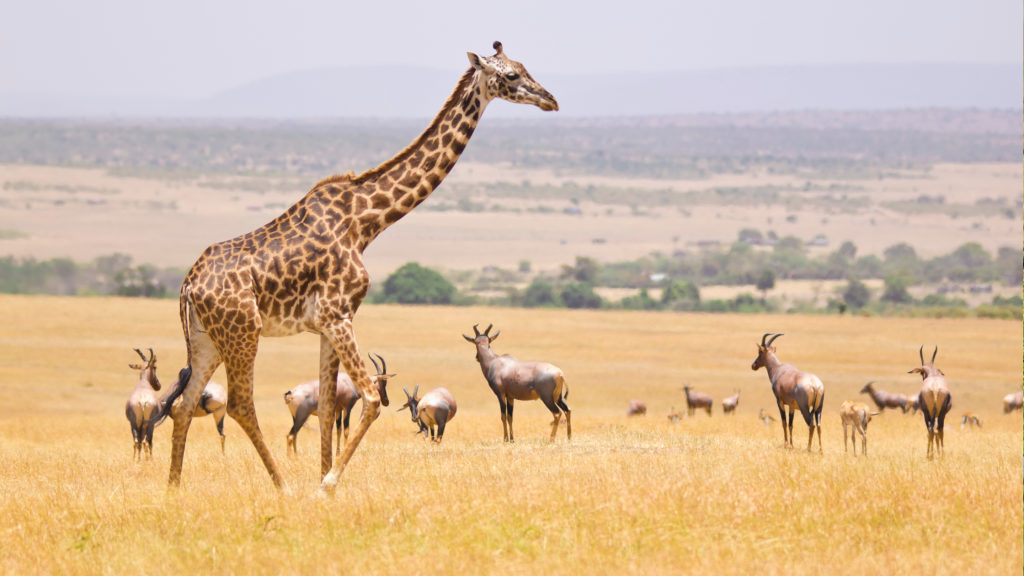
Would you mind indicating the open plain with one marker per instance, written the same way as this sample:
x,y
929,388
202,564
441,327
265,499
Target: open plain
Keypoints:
x,y
639,495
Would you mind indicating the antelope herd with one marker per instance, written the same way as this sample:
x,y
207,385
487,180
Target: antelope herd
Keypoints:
x,y
511,380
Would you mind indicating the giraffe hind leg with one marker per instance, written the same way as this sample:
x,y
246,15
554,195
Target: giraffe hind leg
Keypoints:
x,y
205,359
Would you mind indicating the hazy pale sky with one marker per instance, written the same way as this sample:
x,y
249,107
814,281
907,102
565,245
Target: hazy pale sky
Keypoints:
x,y
194,49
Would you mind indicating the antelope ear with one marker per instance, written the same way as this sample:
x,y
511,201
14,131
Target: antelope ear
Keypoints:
x,y
468,339
403,407
135,366
479,63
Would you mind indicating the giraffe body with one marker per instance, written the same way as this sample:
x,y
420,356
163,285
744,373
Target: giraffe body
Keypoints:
x,y
303,271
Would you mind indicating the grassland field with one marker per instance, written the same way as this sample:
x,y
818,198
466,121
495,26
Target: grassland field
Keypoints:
x,y
708,495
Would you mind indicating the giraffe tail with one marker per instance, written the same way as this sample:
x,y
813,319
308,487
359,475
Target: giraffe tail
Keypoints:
x,y
185,311
168,401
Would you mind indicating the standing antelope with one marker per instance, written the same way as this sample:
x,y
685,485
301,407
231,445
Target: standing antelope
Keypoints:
x,y
512,380
970,419
935,400
695,400
303,401
729,404
214,400
637,408
856,415
143,407
436,408
884,400
793,388
1013,402
765,417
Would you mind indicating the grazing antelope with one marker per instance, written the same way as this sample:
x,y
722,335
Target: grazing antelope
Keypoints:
x,y
857,416
913,404
799,390
884,400
934,399
729,404
303,401
512,380
695,400
436,408
1013,402
214,400
765,417
143,407
637,408
673,416
970,420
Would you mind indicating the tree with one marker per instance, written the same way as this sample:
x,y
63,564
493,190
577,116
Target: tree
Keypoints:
x,y
896,290
848,249
790,243
680,290
641,301
972,255
901,251
414,284
856,294
766,282
751,235
539,294
579,295
585,270
524,266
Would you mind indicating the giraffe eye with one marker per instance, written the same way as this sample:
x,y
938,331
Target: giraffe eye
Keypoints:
x,y
512,76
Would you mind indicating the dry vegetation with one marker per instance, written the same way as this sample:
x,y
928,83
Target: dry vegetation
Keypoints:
x,y
713,494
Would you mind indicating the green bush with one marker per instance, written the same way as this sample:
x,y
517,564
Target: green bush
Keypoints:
x,y
414,284
540,294
896,290
641,301
579,295
856,294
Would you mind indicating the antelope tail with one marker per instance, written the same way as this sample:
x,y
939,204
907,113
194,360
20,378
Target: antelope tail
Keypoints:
x,y
565,388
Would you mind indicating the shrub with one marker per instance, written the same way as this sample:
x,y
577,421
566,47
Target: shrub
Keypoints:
x,y
896,290
680,290
414,284
539,294
579,295
856,294
641,301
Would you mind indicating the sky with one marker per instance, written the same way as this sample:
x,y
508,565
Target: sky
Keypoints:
x,y
191,49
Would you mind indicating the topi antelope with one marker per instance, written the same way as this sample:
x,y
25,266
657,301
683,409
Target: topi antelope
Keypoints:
x,y
512,380
970,420
884,400
637,408
1013,402
695,400
673,416
729,404
857,416
436,408
214,400
303,401
143,407
934,399
765,417
799,390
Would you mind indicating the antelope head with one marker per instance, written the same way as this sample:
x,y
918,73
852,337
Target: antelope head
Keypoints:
x,y
928,370
482,341
764,349
147,370
381,379
868,388
413,404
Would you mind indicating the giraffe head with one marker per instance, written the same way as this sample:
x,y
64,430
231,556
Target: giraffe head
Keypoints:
x,y
509,80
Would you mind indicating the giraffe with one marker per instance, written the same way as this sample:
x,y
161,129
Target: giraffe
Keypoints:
x,y
303,271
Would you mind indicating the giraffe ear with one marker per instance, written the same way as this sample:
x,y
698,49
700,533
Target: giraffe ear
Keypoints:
x,y
479,63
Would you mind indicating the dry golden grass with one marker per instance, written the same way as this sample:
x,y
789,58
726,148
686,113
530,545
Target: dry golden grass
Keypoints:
x,y
626,495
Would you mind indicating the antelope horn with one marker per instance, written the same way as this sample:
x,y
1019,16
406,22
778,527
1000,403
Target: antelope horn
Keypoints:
x,y
773,339
141,355
934,353
487,332
406,390
415,390
152,355
765,336
921,354
375,365
383,363
476,331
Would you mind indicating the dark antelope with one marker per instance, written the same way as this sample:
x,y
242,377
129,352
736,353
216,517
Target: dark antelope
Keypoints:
x,y
214,400
512,380
143,407
637,408
799,390
1013,402
856,415
934,399
436,408
697,400
729,404
884,400
303,401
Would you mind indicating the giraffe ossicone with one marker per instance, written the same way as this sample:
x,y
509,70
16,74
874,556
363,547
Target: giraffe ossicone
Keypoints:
x,y
303,271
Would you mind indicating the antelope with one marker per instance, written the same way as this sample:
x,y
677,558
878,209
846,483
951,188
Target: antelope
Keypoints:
x,y
729,404
673,416
1013,402
913,404
214,400
143,407
857,416
637,408
436,408
765,417
970,419
695,400
799,390
884,400
934,399
512,380
303,402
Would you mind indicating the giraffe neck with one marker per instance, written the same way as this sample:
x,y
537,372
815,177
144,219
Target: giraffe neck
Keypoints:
x,y
399,185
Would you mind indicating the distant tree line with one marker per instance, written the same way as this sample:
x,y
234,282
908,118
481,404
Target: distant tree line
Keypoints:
x,y
113,275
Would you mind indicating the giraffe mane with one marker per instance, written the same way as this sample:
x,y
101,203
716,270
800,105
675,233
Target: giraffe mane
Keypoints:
x,y
453,99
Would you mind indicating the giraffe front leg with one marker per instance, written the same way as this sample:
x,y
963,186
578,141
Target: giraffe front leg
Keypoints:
x,y
342,336
325,409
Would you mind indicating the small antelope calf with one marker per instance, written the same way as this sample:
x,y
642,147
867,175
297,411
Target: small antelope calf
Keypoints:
x,y
697,400
1013,402
856,415
970,420
436,408
673,416
143,407
637,408
729,404
765,417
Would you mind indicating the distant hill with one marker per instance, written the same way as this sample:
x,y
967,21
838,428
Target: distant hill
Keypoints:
x,y
413,92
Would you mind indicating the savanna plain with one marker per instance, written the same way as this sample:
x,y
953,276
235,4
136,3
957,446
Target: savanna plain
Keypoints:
x,y
625,495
